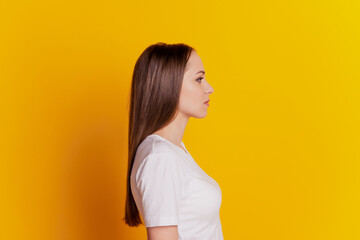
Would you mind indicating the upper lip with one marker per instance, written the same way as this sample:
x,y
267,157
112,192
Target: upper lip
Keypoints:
x,y
207,101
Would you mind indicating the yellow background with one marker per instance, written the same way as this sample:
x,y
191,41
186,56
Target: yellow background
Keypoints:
x,y
281,136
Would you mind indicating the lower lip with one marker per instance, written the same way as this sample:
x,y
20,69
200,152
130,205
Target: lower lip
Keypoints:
x,y
207,104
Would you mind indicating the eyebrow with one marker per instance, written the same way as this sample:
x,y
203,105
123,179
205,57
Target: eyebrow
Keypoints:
x,y
200,72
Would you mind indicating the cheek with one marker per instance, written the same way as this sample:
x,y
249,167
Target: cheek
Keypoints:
x,y
185,99
190,97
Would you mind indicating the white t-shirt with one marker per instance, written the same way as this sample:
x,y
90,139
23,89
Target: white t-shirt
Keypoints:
x,y
169,188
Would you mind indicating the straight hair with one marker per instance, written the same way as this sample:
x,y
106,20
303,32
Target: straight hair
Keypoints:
x,y
155,92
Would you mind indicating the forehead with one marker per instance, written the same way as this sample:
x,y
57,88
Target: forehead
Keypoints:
x,y
194,63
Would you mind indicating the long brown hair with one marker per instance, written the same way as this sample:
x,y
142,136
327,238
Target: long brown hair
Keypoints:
x,y
155,92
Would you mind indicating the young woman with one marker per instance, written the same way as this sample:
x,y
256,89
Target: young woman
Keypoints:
x,y
174,196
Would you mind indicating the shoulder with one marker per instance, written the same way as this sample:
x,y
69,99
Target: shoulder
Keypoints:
x,y
154,158
153,148
160,168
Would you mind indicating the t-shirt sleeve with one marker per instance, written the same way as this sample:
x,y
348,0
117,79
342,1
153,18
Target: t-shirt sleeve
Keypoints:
x,y
159,181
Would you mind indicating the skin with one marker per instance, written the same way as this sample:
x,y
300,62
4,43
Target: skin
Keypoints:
x,y
194,92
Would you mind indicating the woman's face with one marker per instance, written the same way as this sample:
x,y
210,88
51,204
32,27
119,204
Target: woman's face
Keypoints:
x,y
195,89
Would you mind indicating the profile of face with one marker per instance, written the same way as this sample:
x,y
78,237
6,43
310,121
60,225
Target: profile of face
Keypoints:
x,y
195,89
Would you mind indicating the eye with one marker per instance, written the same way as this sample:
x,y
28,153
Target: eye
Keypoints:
x,y
200,79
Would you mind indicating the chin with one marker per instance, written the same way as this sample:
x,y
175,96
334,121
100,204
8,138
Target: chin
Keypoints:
x,y
203,115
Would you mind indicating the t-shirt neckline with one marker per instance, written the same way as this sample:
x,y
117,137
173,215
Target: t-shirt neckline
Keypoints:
x,y
182,143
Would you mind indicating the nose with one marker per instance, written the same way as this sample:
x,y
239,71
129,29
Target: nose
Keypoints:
x,y
210,89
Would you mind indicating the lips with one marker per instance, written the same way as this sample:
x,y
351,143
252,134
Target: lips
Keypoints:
x,y
207,101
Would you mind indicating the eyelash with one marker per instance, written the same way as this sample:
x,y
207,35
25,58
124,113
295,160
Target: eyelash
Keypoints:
x,y
200,78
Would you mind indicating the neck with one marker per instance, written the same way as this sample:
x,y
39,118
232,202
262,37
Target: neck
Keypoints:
x,y
174,131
